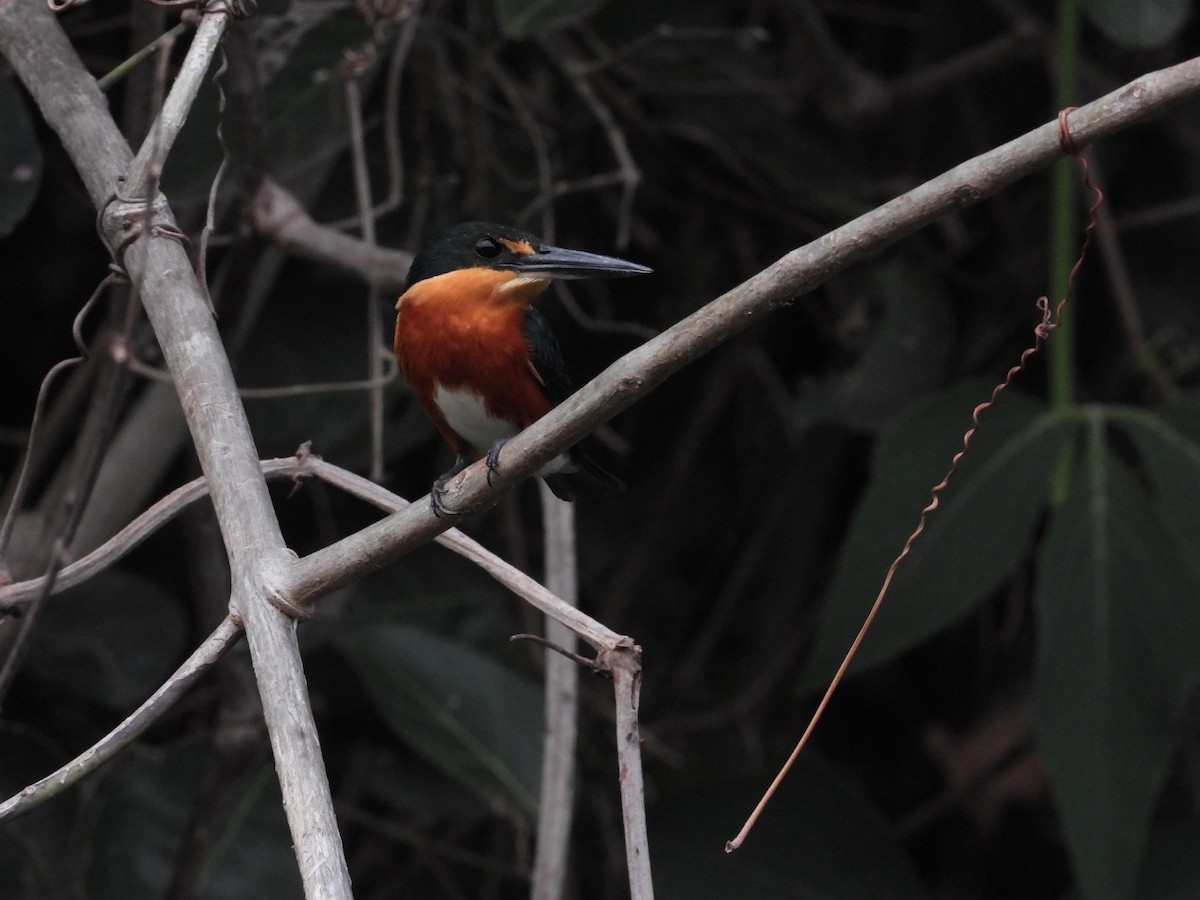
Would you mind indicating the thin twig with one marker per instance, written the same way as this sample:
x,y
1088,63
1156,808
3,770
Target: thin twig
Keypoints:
x,y
16,595
210,215
166,39
556,799
1108,241
558,50
66,512
298,468
1050,317
322,387
141,175
537,140
17,499
577,658
626,667
391,111
529,590
366,222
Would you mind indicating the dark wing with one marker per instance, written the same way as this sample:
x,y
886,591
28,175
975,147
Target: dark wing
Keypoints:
x,y
589,476
546,357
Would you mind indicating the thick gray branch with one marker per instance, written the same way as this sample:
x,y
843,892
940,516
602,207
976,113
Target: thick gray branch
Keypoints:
x,y
160,269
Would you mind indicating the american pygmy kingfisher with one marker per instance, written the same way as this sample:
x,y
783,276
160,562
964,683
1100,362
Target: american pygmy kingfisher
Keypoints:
x,y
481,360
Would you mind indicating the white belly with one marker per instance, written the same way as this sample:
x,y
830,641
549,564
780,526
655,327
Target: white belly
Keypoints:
x,y
465,412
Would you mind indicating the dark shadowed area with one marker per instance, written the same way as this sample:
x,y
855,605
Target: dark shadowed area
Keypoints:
x,y
1021,722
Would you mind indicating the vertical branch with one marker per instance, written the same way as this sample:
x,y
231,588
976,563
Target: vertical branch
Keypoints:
x,y
191,347
627,688
1064,216
560,734
391,109
537,142
351,69
68,98
1064,221
1144,354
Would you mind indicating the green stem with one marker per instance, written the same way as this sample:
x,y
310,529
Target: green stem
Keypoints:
x,y
1064,237
124,68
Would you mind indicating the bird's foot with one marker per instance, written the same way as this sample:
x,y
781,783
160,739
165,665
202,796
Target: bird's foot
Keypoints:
x,y
493,459
440,509
438,491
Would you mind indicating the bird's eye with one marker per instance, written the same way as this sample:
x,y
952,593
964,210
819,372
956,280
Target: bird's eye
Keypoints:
x,y
486,248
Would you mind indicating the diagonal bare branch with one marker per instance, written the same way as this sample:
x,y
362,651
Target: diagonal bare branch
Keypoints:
x,y
561,703
202,659
296,468
800,271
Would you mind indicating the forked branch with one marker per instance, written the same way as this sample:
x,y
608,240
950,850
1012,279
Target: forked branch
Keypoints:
x,y
301,467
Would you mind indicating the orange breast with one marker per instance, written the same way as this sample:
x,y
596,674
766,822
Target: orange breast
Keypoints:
x,y
465,331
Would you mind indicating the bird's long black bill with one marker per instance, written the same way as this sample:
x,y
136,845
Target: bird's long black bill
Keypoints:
x,y
558,262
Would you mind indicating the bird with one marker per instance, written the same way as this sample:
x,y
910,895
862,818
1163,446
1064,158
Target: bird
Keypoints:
x,y
482,362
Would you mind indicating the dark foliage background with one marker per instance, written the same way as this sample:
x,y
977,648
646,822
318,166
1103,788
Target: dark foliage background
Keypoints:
x,y
1022,723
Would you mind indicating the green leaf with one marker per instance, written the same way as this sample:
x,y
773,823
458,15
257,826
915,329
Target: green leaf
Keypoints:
x,y
1171,868
38,849
1169,443
111,641
1138,23
1118,622
522,18
253,856
980,533
821,838
298,53
144,813
305,98
462,711
140,822
20,157
904,358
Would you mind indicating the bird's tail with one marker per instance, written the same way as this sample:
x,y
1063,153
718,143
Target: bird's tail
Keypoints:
x,y
589,477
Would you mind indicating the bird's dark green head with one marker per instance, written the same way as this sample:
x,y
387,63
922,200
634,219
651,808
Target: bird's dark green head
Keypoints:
x,y
491,246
